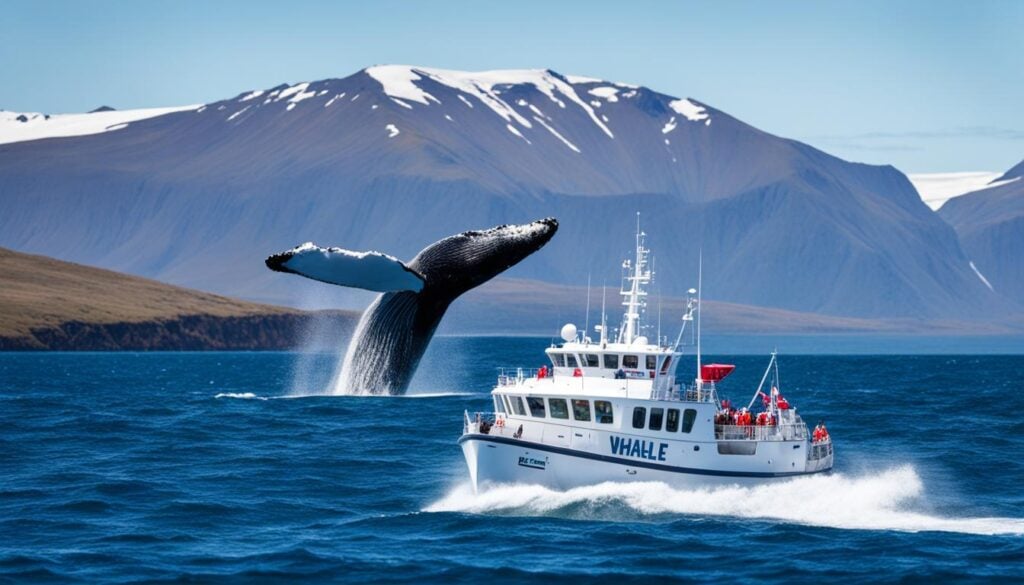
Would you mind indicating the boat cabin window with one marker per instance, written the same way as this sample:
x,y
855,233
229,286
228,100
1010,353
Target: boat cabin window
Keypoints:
x,y
689,417
570,360
603,412
581,410
672,420
652,362
536,406
665,364
517,405
630,361
611,361
639,417
558,359
499,404
558,408
657,415
591,360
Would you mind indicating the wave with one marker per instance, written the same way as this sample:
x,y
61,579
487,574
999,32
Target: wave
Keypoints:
x,y
371,396
240,396
883,501
441,394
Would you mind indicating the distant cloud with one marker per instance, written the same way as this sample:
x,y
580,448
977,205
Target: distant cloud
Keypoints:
x,y
836,142
990,132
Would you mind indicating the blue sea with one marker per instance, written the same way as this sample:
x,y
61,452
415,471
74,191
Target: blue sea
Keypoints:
x,y
229,467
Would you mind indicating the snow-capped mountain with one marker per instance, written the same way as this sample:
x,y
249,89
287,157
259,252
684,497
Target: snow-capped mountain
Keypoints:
x,y
393,157
990,223
23,126
938,188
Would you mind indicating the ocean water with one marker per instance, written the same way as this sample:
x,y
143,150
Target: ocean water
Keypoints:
x,y
224,467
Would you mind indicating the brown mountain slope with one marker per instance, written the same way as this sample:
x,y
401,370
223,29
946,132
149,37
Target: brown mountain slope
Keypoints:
x,y
50,304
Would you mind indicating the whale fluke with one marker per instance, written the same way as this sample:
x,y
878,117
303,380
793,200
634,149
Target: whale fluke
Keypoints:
x,y
395,329
366,270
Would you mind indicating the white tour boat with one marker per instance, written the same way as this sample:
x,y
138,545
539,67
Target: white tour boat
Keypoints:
x,y
613,410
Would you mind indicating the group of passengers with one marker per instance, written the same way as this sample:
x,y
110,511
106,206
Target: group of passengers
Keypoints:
x,y
743,417
820,434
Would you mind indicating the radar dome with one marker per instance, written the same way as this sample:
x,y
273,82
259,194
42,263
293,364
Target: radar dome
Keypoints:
x,y
641,340
568,332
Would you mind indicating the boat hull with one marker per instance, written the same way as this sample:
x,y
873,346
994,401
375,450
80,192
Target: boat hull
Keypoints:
x,y
501,460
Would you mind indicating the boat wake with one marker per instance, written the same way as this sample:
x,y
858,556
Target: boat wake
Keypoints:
x,y
886,501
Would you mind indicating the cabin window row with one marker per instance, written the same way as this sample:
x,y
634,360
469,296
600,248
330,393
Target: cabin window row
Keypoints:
x,y
558,408
667,417
611,361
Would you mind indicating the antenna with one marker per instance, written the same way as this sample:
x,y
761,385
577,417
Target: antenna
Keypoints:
x,y
586,318
700,283
604,317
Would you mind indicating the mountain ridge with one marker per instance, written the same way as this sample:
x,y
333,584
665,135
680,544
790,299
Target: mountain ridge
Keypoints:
x,y
990,224
197,198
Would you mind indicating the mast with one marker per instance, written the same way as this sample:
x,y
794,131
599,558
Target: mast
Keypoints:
x,y
633,299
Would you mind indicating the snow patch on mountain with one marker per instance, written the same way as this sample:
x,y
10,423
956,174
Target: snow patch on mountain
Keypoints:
x,y
238,113
579,79
334,99
608,93
251,95
692,111
981,276
515,131
296,93
392,130
298,88
23,126
399,81
557,135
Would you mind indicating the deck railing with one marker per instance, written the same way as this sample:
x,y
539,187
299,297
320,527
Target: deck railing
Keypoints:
x,y
820,450
487,423
785,432
516,376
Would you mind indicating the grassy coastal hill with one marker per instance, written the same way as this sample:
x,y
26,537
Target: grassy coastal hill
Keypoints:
x,y
51,304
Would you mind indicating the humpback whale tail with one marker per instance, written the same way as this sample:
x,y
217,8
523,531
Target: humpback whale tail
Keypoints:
x,y
394,331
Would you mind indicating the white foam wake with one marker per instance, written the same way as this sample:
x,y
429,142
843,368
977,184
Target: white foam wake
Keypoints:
x,y
883,501
240,396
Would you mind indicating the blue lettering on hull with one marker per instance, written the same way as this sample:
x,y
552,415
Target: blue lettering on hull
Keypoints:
x,y
637,448
533,463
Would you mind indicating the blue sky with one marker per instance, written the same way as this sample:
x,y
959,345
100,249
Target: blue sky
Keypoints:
x,y
925,86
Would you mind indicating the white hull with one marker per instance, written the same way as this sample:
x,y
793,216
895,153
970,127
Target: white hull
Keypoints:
x,y
501,460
